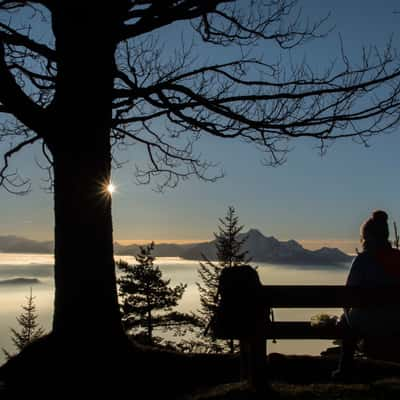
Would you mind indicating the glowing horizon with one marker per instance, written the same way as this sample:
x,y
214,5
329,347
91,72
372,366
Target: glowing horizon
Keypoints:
x,y
127,242
346,245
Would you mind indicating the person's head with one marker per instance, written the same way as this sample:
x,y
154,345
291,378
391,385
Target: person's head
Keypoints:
x,y
375,231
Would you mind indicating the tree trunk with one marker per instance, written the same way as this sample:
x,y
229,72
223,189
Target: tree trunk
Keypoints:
x,y
150,327
86,303
85,297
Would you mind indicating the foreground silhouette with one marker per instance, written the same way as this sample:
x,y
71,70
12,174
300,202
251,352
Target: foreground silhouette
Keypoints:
x,y
378,265
50,367
146,373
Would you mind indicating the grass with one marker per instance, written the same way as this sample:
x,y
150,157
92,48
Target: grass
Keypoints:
x,y
386,389
168,375
308,378
366,391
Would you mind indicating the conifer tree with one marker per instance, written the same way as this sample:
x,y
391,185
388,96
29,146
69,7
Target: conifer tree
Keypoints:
x,y
147,300
30,329
229,253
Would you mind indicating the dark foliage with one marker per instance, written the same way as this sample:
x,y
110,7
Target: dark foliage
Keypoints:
x,y
147,300
229,254
29,327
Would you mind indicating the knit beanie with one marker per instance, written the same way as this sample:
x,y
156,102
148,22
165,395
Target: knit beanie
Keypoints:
x,y
376,228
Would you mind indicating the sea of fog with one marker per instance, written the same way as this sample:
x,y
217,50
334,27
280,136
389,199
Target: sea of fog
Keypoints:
x,y
40,266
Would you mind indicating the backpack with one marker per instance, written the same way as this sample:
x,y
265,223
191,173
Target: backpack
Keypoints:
x,y
238,311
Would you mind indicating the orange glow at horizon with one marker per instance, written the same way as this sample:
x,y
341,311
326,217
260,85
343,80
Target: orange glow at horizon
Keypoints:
x,y
127,242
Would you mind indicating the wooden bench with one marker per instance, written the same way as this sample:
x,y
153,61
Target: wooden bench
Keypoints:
x,y
253,340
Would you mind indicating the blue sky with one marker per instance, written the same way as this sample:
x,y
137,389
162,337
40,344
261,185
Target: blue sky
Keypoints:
x,y
309,198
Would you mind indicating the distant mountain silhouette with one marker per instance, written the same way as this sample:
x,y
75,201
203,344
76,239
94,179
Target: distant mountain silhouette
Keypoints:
x,y
270,249
160,250
16,244
20,281
260,247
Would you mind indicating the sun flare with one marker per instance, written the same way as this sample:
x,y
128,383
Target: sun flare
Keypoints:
x,y
110,188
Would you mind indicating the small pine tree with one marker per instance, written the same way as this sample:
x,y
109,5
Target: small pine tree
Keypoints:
x,y
147,299
30,329
229,254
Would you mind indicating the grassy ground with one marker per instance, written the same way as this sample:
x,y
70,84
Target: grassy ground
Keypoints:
x,y
377,390
388,389
168,375
308,378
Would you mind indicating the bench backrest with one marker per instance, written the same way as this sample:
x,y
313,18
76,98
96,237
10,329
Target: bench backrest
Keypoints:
x,y
332,296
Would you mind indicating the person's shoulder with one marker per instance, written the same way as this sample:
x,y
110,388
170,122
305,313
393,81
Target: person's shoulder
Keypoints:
x,y
363,261
359,267
362,257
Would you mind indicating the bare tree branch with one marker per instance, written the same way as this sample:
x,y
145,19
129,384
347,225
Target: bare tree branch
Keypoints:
x,y
37,79
10,5
339,93
162,13
225,100
47,166
13,182
16,101
167,161
13,37
167,101
246,22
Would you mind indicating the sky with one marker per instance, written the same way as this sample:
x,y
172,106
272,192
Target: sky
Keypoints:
x,y
313,199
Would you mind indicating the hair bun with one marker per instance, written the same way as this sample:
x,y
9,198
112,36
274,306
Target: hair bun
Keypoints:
x,y
380,216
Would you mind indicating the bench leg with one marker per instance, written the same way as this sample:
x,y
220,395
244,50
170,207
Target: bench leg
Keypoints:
x,y
253,369
244,359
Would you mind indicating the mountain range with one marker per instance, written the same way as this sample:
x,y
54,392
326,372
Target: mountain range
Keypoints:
x,y
259,247
271,250
19,282
16,244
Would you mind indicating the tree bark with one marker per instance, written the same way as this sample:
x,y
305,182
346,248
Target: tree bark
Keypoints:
x,y
85,296
86,303
150,327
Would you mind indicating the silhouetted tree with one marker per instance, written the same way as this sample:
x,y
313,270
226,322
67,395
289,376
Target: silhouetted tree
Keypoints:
x,y
78,77
29,327
147,300
230,253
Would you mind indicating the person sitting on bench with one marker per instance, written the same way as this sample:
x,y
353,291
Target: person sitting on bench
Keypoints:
x,y
378,265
